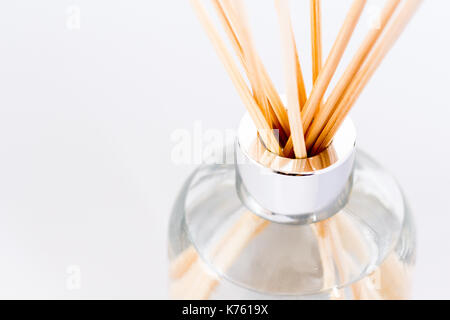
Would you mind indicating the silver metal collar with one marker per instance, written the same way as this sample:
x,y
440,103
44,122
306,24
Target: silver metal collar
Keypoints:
x,y
295,191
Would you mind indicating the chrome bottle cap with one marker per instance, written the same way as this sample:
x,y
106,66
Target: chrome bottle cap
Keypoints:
x,y
295,191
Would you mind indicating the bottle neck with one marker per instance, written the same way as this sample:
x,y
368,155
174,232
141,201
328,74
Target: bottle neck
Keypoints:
x,y
295,191
302,217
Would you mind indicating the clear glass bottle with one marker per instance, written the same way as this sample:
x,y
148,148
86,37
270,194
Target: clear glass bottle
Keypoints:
x,y
224,245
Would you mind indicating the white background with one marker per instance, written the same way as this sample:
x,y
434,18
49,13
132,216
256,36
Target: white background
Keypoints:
x,y
86,116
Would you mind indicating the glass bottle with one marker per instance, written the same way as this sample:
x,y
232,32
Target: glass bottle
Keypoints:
x,y
335,226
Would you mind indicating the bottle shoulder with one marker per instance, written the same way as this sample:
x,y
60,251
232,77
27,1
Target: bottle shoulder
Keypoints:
x,y
208,213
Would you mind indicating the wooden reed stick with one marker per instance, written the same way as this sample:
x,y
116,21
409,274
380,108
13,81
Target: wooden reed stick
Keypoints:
x,y
257,116
332,62
289,148
324,242
316,38
192,278
294,79
197,281
228,17
225,19
250,54
326,110
394,282
363,289
328,70
188,268
276,102
182,263
251,70
389,282
237,238
365,74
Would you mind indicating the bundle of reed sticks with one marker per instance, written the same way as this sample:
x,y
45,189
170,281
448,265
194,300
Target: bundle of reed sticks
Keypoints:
x,y
305,126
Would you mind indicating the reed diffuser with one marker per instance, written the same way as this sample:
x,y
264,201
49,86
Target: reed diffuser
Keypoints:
x,y
302,213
